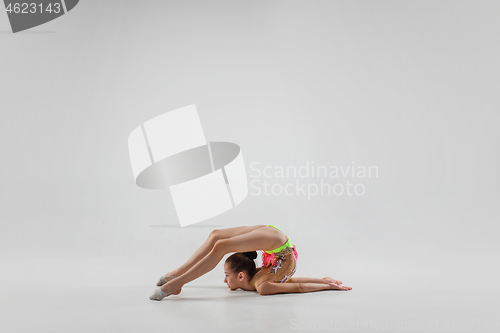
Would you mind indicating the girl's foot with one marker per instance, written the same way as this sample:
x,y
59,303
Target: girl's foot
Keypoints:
x,y
167,288
158,294
162,292
164,279
338,287
330,280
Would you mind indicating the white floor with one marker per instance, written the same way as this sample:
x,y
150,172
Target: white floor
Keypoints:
x,y
109,295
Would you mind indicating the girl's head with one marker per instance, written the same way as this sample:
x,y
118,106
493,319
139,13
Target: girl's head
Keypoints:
x,y
239,269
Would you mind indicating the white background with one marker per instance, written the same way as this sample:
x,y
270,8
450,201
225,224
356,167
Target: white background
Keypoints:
x,y
410,87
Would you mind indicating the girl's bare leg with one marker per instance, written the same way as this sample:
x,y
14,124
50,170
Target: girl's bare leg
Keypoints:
x,y
200,253
325,280
214,236
250,241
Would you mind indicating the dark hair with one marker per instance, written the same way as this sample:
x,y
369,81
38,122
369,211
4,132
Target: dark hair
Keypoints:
x,y
243,262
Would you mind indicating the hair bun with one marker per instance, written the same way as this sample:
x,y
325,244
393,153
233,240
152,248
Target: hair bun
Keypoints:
x,y
252,254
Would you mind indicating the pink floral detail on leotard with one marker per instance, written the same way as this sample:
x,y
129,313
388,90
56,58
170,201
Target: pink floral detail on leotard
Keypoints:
x,y
269,258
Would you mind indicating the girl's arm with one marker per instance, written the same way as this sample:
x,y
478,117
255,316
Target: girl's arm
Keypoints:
x,y
270,288
313,280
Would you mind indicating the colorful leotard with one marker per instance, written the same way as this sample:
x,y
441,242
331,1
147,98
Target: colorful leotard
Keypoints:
x,y
268,256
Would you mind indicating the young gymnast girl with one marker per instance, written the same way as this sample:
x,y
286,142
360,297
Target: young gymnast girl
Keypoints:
x,y
279,258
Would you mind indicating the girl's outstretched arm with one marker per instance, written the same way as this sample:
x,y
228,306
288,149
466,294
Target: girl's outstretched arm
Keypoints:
x,y
325,280
271,288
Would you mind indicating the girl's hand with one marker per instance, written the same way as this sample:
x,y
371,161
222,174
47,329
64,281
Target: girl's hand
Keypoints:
x,y
335,286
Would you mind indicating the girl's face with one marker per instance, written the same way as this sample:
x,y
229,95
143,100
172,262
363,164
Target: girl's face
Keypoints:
x,y
231,278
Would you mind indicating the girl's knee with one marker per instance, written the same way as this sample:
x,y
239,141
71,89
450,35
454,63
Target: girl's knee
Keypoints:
x,y
215,235
220,246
